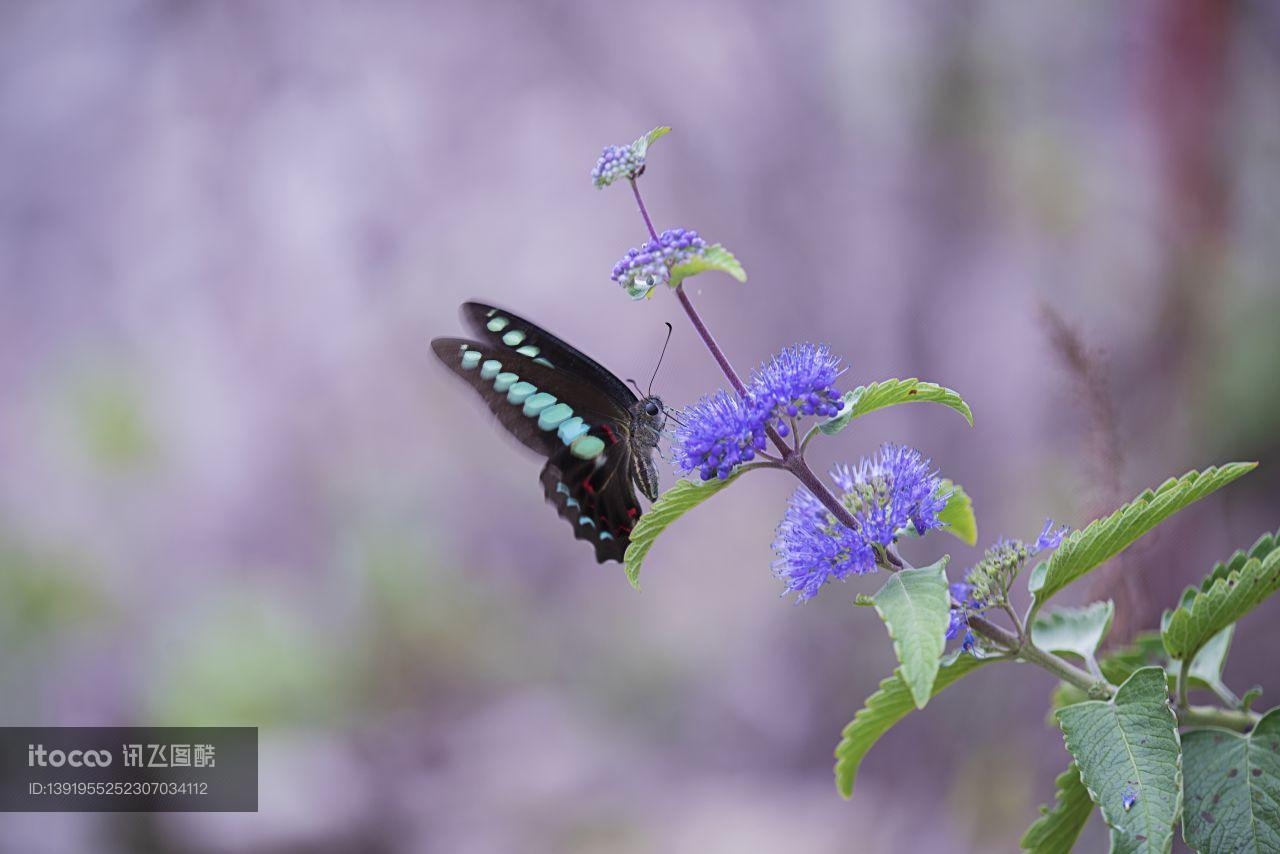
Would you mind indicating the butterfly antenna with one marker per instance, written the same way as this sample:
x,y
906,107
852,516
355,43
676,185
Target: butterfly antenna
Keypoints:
x,y
636,386
659,365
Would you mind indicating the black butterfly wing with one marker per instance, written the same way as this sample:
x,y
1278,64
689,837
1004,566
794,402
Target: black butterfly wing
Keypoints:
x,y
595,496
499,326
568,417
519,390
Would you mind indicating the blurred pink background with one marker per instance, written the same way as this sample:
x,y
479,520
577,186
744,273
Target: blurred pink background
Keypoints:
x,y
235,488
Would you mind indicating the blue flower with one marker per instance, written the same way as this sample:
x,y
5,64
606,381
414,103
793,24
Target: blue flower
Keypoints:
x,y
1049,538
798,381
1128,797
719,432
888,491
883,494
616,161
813,548
644,268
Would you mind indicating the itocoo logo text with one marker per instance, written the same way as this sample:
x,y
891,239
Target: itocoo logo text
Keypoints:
x,y
38,756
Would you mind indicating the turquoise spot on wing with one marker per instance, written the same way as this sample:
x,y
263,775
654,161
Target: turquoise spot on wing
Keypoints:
x,y
537,403
513,338
562,489
470,359
605,535
504,381
587,447
552,416
572,429
571,502
586,520
542,361
520,392
498,324
490,369
528,350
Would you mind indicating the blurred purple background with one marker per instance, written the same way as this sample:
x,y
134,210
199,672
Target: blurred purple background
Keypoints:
x,y
235,488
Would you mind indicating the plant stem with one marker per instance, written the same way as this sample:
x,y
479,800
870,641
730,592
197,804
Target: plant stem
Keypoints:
x,y
1183,680
1025,650
635,189
707,339
792,459
1212,716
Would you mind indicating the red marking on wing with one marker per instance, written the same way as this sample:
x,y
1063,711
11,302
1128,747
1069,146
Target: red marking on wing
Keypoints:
x,y
608,432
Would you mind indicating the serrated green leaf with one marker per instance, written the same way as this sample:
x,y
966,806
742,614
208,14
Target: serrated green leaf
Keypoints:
x,y
888,705
1233,589
641,145
957,515
1232,788
1129,746
1058,827
670,506
915,605
716,257
869,398
1102,539
1079,631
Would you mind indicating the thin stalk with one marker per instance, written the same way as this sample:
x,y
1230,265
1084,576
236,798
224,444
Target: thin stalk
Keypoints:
x,y
635,189
1213,716
1184,673
1025,650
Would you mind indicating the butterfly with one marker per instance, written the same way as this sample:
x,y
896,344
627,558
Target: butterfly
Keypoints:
x,y
597,436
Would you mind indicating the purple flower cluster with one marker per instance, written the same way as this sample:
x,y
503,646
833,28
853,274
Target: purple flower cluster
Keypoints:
x,y
719,432
884,494
888,491
644,268
987,583
798,381
726,429
813,548
616,161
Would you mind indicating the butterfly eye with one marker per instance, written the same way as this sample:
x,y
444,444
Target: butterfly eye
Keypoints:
x,y
651,408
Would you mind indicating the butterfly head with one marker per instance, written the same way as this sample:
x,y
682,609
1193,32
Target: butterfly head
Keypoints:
x,y
649,412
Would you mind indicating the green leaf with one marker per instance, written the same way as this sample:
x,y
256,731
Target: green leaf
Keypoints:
x,y
1058,827
958,516
670,506
1103,539
641,145
1129,745
1232,788
888,705
869,398
1079,631
1206,667
1233,589
915,605
716,257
